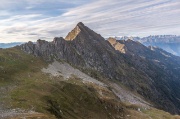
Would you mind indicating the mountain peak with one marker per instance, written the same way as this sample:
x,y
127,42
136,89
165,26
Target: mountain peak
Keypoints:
x,y
80,24
72,35
79,29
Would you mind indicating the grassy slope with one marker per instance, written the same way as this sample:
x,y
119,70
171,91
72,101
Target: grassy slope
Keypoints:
x,y
55,98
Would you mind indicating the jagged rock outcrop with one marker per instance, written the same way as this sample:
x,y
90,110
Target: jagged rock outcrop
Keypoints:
x,y
117,45
128,46
126,61
59,49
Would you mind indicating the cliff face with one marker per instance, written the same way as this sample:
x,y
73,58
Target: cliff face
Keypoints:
x,y
129,62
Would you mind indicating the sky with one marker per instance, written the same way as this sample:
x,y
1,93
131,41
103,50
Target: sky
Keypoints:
x,y
29,20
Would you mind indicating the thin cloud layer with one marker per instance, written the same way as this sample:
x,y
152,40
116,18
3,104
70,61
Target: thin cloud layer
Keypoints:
x,y
25,20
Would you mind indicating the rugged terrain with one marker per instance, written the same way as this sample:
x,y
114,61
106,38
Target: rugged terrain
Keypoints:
x,y
85,76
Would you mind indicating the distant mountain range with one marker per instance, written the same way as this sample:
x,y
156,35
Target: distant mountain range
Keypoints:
x,y
8,45
170,43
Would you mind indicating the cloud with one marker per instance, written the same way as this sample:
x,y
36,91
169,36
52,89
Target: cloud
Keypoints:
x,y
30,20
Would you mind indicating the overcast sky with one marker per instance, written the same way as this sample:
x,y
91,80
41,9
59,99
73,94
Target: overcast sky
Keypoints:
x,y
24,20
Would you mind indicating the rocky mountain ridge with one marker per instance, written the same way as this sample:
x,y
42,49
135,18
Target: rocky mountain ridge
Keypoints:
x,y
147,72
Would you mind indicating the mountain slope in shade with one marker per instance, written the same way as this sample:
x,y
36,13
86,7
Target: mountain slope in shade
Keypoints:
x,y
163,66
151,74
